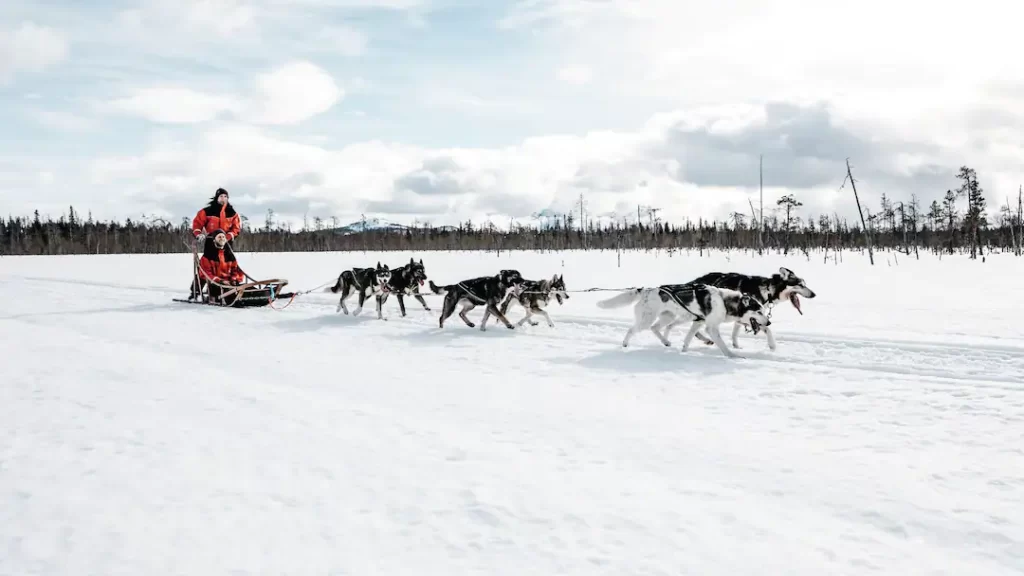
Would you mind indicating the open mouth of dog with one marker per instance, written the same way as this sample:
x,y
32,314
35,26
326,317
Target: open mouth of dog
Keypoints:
x,y
794,299
755,326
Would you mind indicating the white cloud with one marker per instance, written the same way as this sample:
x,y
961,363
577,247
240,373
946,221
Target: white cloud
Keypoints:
x,y
224,17
351,4
880,62
288,94
203,18
692,164
789,79
64,121
176,105
576,75
346,40
293,93
30,48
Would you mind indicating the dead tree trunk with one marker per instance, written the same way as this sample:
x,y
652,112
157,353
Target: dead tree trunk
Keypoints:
x,y
867,233
760,228
1020,219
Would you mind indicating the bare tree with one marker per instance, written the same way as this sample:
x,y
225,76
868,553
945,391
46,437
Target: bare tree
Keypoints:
x,y
853,184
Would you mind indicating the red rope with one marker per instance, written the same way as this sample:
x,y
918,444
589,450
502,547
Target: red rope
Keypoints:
x,y
270,302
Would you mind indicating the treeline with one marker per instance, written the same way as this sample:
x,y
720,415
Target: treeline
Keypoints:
x,y
959,222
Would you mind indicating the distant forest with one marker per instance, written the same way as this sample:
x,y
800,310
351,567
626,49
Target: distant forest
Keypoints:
x,y
961,221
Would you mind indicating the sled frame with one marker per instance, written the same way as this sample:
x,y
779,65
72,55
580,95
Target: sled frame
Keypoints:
x,y
231,294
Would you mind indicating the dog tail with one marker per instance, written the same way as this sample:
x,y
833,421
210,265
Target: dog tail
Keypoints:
x,y
623,299
337,285
439,290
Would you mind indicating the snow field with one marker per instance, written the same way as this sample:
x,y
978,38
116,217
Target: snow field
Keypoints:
x,y
138,435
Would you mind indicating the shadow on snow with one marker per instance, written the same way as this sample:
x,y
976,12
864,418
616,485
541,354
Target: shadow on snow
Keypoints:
x,y
658,360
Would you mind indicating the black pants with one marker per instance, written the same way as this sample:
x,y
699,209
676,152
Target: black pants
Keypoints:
x,y
198,284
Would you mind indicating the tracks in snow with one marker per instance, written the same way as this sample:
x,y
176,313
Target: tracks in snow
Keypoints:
x,y
996,366
999,366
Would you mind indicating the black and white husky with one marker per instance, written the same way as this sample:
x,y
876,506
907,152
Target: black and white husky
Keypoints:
x,y
405,281
484,291
367,281
767,290
535,296
700,304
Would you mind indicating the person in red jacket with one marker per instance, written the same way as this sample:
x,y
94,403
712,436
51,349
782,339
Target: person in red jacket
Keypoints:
x,y
218,264
219,214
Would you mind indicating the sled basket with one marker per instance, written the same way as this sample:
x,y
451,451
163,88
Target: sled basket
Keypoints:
x,y
252,294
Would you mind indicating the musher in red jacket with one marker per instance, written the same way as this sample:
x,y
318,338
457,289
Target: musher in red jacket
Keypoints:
x,y
218,215
218,265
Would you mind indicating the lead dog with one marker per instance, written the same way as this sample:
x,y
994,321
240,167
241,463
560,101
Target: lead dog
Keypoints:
x,y
701,304
486,290
362,279
535,296
767,290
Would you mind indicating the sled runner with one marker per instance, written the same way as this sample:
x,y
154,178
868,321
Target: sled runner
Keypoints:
x,y
251,294
257,293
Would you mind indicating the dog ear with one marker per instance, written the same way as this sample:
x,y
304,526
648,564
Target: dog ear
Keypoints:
x,y
785,272
745,301
421,261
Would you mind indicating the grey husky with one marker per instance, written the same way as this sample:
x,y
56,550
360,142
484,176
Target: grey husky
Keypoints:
x,y
535,296
672,304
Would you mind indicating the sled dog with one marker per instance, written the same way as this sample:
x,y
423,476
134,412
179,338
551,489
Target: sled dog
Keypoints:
x,y
484,291
366,281
767,290
673,304
535,296
405,281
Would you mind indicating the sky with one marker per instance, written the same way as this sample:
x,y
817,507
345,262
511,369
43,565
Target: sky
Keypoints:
x,y
443,111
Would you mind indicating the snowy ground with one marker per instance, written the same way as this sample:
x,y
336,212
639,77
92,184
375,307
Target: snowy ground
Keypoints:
x,y
141,436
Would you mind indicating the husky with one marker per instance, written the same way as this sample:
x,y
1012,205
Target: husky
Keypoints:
x,y
672,304
405,281
768,291
486,291
374,280
534,297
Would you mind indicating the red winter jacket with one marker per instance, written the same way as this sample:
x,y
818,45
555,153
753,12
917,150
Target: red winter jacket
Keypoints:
x,y
217,217
220,266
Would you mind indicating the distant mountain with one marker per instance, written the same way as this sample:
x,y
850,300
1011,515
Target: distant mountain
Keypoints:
x,y
373,224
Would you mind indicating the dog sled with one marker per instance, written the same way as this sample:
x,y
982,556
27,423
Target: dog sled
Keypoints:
x,y
252,293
